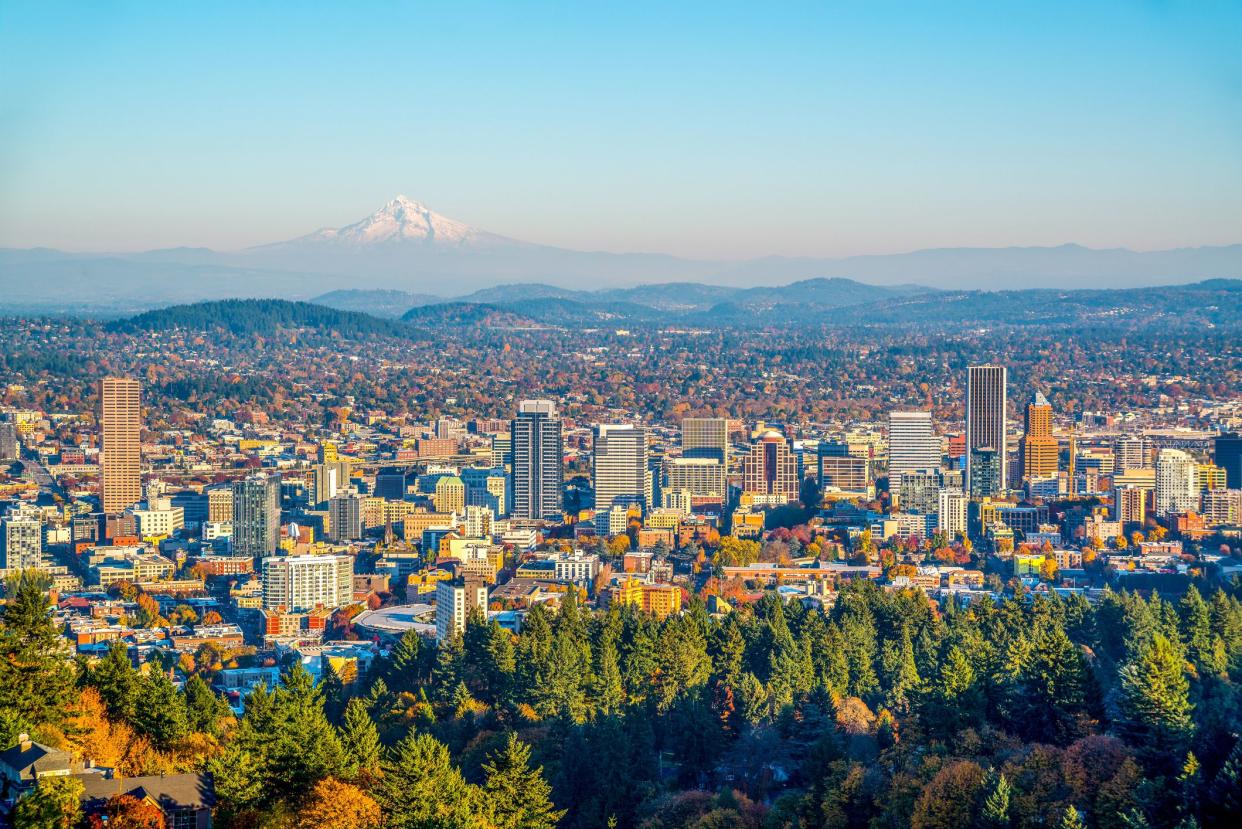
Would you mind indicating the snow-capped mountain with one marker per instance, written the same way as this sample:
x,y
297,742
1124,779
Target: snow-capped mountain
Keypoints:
x,y
405,220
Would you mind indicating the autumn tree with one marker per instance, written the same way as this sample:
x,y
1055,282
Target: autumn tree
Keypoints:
x,y
333,804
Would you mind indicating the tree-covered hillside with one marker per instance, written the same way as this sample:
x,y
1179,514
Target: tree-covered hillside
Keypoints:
x,y
885,711
259,316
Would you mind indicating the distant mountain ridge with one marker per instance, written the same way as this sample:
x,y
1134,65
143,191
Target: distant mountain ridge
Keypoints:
x,y
404,246
672,296
1213,303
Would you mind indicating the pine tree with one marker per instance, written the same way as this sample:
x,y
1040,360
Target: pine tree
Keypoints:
x,y
204,708
36,679
517,796
1053,687
305,747
1072,819
560,689
1196,632
404,661
421,789
117,681
995,812
1156,705
162,714
900,671
608,691
360,740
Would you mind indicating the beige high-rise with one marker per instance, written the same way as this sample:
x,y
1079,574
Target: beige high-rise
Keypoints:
x,y
120,429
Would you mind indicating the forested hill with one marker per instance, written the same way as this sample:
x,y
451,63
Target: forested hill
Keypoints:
x,y
260,316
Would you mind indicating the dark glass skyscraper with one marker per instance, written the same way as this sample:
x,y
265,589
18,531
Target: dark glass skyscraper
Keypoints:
x,y
1227,451
537,454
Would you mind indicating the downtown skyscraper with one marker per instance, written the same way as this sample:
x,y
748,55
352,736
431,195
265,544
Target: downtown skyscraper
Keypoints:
x,y
1040,451
620,473
120,431
537,454
256,515
986,422
912,444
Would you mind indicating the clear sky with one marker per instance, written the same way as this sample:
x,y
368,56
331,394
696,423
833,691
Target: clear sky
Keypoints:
x,y
705,129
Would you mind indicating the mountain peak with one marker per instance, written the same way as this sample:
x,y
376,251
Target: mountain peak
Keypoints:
x,y
403,220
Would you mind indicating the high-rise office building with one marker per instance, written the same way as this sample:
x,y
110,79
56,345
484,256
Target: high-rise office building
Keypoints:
x,y
450,495
845,472
120,431
537,454
1039,448
487,488
919,492
951,517
454,602
330,477
1131,452
220,504
986,417
256,515
619,469
1130,505
708,437
296,584
1227,454
1177,482
912,445
390,483
1222,506
769,468
9,449
502,451
700,477
21,540
985,473
345,516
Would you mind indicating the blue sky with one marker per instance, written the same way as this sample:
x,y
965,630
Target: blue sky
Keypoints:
x,y
704,129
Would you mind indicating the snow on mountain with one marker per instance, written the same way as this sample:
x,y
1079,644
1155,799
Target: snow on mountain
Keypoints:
x,y
405,220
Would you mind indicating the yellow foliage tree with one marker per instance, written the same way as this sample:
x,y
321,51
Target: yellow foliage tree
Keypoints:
x,y
336,805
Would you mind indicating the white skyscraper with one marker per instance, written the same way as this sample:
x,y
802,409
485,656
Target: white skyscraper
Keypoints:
x,y
912,444
300,583
1177,482
620,473
454,601
952,515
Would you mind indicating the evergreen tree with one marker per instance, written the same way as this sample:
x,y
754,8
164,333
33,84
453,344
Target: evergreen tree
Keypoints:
x,y
560,689
360,740
608,691
1072,819
204,708
162,715
995,811
1155,710
421,789
305,747
1203,649
117,681
36,679
402,670
517,796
